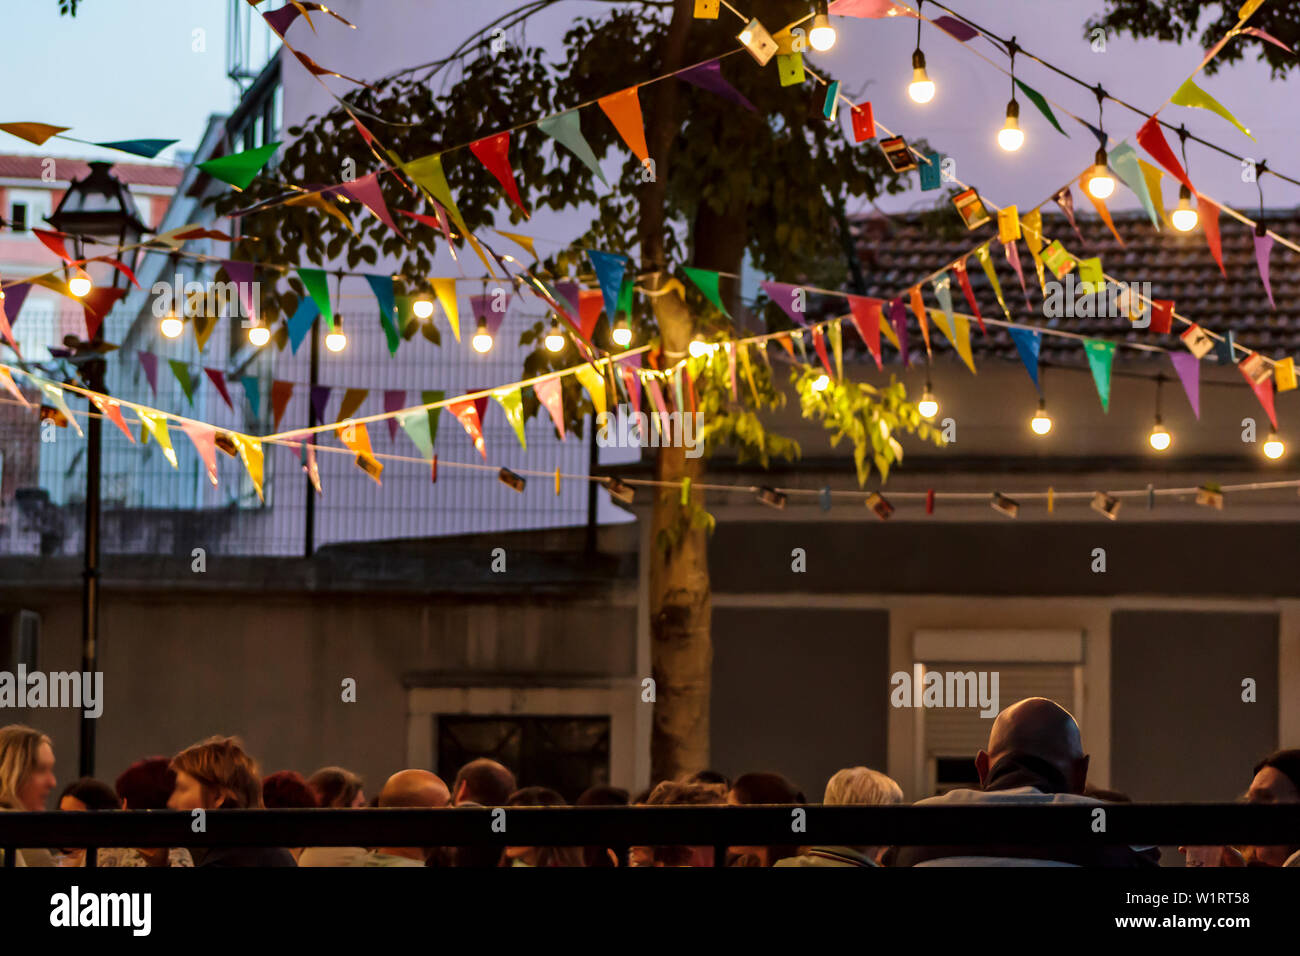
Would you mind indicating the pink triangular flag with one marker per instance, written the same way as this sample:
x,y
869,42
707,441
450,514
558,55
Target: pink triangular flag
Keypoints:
x,y
1188,367
149,362
550,392
791,299
494,153
7,380
393,400
219,380
1013,257
656,396
631,378
204,438
1263,248
367,192
491,308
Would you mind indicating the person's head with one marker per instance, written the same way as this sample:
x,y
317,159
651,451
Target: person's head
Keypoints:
x,y
215,774
146,785
601,796
708,776
539,855
679,793
760,788
88,794
287,790
413,790
1041,730
26,768
1277,780
336,787
862,786
484,782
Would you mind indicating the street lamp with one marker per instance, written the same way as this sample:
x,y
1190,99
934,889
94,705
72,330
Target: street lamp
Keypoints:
x,y
96,207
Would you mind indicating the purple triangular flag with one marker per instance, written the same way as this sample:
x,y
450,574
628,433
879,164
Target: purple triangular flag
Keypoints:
x,y
393,400
1013,257
320,397
1263,247
241,273
15,295
568,290
955,27
149,362
708,76
791,299
1065,199
898,319
1188,367
631,379
483,307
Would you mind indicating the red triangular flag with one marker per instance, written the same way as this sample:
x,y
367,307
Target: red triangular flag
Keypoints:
x,y
819,343
280,393
494,153
468,416
590,302
54,242
1152,139
968,292
866,319
1264,392
480,406
219,380
96,304
112,408
1208,213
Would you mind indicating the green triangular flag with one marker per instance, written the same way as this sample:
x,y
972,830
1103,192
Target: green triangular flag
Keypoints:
x,y
428,398
512,403
706,280
1128,167
1100,356
182,373
317,283
566,129
239,169
625,297
416,424
1189,94
1037,99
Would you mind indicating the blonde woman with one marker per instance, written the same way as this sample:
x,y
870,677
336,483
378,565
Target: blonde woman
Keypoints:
x,y
26,779
854,786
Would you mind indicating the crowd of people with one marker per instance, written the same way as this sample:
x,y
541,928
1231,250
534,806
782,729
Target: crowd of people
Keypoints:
x,y
1034,756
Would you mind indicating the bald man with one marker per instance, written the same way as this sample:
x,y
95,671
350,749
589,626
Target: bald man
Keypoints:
x,y
1034,756
411,789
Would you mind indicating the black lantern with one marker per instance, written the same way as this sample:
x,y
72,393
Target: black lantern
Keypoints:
x,y
99,207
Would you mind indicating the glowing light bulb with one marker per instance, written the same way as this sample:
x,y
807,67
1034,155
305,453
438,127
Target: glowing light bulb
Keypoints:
x,y
80,284
482,340
698,347
1100,182
622,334
1041,423
921,89
1274,448
171,326
1184,217
928,406
336,341
555,338
821,383
822,35
422,308
1160,438
1010,136
259,335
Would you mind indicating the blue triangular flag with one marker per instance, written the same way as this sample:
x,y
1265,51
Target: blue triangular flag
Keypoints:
x,y
609,267
148,148
300,322
931,174
1028,342
1223,349
1101,136
253,389
382,287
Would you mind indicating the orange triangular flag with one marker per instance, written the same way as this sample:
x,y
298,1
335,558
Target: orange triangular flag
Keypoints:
x,y
624,111
1101,209
918,309
786,343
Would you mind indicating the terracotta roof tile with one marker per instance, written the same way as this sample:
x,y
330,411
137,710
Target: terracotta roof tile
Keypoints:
x,y
133,174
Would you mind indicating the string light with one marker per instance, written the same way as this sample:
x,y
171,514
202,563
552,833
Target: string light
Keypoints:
x,y
482,340
1041,423
1100,182
422,308
622,334
336,341
928,406
80,284
555,338
171,326
822,35
821,383
1184,217
921,89
1010,136
1159,439
259,335
1274,448
698,348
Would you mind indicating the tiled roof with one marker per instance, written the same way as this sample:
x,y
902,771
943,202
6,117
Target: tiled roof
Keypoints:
x,y
898,251
133,174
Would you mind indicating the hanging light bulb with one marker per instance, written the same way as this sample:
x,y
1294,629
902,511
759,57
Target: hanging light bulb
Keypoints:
x,y
1274,447
80,284
555,338
482,340
171,326
422,308
1100,182
921,89
1160,438
1010,136
822,35
928,406
336,341
622,334
821,383
1041,423
698,347
1184,217
259,335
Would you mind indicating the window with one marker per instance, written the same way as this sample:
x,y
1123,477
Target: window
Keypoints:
x,y
18,217
567,754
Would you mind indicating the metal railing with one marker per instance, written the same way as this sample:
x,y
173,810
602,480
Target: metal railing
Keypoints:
x,y
722,826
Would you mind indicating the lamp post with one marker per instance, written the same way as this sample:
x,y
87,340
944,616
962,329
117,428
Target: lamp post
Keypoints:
x,y
98,206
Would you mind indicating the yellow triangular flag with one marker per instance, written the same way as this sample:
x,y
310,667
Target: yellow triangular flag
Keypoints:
x,y
962,342
594,383
1284,374
250,453
525,241
887,328
938,317
1154,177
445,290
157,425
1032,229
1189,94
